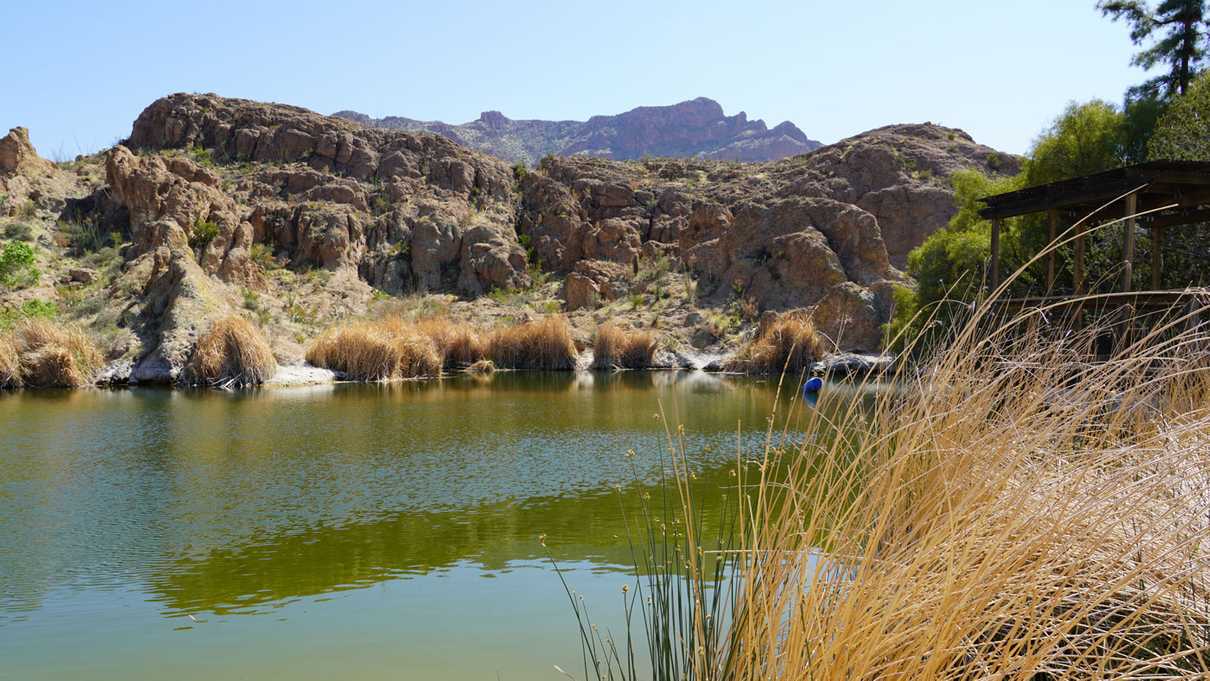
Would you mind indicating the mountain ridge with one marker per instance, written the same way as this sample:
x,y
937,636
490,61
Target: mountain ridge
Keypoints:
x,y
695,128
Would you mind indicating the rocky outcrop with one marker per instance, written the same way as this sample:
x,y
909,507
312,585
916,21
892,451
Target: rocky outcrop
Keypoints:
x,y
17,154
408,211
226,206
175,203
24,175
696,128
825,231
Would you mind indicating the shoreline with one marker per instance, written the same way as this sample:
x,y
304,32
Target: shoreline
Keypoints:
x,y
838,366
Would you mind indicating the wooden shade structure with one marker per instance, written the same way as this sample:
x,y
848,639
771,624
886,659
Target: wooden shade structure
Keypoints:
x,y
1169,193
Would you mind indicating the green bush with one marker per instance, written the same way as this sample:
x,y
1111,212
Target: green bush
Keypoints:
x,y
30,309
1086,138
204,231
201,155
18,266
1183,129
262,255
86,236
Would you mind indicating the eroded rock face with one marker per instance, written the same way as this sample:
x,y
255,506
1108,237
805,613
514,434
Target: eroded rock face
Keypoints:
x,y
23,174
593,282
826,231
177,204
407,211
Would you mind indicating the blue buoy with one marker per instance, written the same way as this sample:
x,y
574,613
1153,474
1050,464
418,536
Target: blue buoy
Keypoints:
x,y
810,399
812,385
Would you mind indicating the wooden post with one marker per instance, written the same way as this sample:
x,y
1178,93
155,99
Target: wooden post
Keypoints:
x,y
1077,267
1132,203
1157,258
994,267
1050,257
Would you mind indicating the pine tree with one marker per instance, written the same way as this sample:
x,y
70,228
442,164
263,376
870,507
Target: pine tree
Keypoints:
x,y
1181,27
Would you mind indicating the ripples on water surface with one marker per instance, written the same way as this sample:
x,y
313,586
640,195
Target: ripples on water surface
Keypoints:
x,y
370,532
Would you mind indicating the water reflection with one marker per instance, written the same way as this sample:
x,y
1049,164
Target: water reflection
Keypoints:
x,y
123,511
214,501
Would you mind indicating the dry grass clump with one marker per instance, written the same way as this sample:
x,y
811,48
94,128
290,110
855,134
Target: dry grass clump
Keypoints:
x,y
460,343
376,350
10,364
1010,514
233,352
39,353
615,347
789,343
1010,511
541,345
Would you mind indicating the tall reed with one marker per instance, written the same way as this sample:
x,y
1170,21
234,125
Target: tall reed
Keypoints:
x,y
615,347
376,350
545,344
789,343
10,364
460,343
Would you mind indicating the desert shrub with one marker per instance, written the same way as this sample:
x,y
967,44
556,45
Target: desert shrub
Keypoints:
x,y
615,347
204,231
233,352
376,350
53,355
201,155
86,236
459,343
19,231
262,255
541,345
18,266
788,343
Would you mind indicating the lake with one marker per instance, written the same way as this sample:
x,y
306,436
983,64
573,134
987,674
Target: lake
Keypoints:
x,y
351,531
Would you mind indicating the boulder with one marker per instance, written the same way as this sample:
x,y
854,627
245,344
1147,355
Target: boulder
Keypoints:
x,y
580,291
845,364
81,275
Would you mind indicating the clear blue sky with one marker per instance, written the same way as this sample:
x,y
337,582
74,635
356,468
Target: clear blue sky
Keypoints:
x,y
78,73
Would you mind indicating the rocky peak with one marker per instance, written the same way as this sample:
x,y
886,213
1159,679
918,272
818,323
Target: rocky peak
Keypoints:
x,y
493,119
790,130
17,154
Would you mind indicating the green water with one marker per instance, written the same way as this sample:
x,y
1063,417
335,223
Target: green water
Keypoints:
x,y
359,532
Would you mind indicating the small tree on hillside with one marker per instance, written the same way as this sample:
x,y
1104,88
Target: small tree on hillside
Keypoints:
x,y
1181,26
